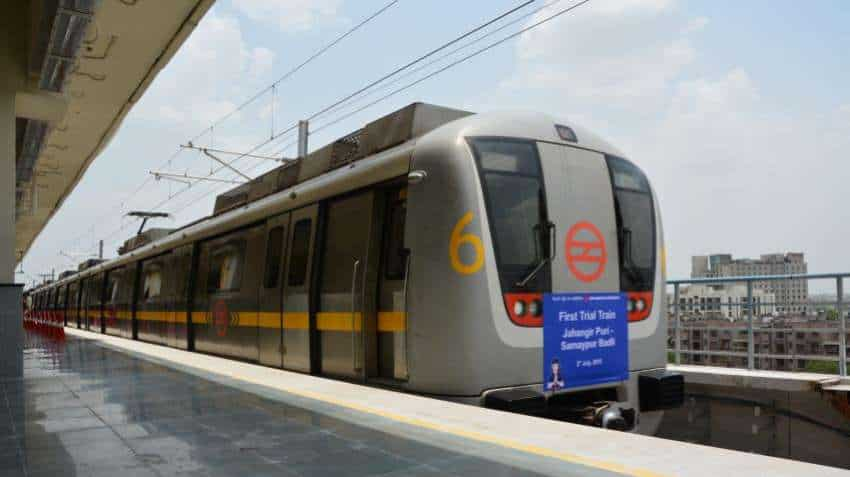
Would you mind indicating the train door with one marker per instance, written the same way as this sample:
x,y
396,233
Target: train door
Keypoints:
x,y
392,289
225,300
73,303
153,307
346,320
297,286
180,267
62,304
270,319
84,308
94,302
586,244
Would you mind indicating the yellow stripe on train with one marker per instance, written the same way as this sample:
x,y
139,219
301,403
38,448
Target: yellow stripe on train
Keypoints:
x,y
388,321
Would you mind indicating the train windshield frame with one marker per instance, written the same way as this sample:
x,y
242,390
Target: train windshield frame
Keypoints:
x,y
636,235
511,177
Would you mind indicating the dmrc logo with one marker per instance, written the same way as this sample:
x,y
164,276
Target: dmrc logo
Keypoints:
x,y
222,318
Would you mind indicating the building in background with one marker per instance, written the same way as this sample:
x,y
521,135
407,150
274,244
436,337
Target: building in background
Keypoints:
x,y
791,296
726,300
781,345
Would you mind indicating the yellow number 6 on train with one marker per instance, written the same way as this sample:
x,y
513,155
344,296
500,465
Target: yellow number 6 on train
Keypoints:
x,y
459,239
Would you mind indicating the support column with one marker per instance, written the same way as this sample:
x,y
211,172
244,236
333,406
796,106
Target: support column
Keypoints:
x,y
13,50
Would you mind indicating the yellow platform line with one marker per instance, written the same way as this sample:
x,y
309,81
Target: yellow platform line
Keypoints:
x,y
425,424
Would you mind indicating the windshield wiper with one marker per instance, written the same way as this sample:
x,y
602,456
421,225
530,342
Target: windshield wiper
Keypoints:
x,y
543,261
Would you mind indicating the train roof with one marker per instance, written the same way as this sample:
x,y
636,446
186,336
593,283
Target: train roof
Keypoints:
x,y
377,144
527,125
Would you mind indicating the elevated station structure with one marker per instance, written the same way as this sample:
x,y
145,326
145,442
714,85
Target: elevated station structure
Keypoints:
x,y
70,71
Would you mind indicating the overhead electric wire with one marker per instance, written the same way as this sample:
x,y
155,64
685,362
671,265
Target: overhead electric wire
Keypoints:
x,y
275,136
304,63
466,45
444,68
250,100
453,64
423,57
490,46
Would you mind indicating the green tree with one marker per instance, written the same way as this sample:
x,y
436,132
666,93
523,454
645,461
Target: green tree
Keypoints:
x,y
822,367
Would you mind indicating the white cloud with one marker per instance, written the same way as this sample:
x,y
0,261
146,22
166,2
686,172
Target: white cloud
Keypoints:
x,y
214,66
290,15
734,170
592,56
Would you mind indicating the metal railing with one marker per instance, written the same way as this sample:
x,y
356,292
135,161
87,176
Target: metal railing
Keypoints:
x,y
730,312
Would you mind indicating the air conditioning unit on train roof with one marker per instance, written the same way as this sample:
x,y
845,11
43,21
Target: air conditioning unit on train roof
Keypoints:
x,y
391,130
144,238
407,123
232,198
89,263
66,274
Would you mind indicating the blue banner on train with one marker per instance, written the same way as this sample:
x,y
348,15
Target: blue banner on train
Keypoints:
x,y
585,339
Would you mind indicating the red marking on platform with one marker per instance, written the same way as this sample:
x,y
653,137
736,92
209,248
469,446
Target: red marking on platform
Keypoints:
x,y
585,253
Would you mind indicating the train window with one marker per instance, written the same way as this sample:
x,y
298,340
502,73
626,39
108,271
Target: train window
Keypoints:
x,y
395,258
635,225
513,189
113,288
225,268
152,284
274,252
300,254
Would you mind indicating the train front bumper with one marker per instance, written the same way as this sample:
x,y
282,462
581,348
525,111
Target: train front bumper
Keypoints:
x,y
646,391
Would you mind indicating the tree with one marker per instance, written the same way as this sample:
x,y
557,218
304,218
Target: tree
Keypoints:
x,y
822,367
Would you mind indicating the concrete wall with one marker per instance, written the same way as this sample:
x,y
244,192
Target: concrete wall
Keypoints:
x,y
808,425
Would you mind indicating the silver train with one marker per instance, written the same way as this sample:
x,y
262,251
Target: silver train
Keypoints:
x,y
413,253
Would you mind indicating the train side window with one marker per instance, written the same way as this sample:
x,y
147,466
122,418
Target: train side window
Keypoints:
x,y
300,252
153,283
225,269
394,253
274,252
113,288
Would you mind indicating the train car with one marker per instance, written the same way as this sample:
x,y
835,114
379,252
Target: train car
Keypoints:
x,y
414,254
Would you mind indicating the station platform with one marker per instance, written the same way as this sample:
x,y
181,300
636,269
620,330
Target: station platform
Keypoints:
x,y
97,405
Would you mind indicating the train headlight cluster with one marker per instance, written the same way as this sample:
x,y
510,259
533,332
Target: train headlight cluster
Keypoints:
x,y
535,308
525,309
519,308
639,305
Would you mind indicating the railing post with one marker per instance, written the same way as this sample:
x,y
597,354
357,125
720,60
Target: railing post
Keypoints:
x,y
678,340
751,345
842,337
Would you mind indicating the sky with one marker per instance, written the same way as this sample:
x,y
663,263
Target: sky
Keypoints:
x,y
739,112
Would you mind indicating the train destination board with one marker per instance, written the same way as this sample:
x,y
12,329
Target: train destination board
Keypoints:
x,y
585,339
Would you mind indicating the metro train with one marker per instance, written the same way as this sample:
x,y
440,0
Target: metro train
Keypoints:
x,y
412,254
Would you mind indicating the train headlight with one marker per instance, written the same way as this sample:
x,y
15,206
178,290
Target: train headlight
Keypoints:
x,y
640,305
519,308
630,306
535,308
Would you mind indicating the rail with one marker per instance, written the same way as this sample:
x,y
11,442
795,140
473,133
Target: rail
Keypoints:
x,y
770,321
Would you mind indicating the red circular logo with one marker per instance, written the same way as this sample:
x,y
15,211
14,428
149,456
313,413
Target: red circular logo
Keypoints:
x,y
586,253
221,318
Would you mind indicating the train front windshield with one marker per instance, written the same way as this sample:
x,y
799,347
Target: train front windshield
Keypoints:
x,y
635,225
513,187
